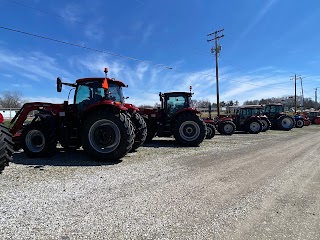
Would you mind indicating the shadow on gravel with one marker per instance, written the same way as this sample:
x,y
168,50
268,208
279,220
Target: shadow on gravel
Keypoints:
x,y
61,158
164,143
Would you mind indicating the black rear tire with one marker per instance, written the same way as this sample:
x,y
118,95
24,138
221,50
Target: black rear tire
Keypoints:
x,y
253,126
227,128
189,130
6,147
39,139
265,125
140,127
108,136
151,130
285,123
211,131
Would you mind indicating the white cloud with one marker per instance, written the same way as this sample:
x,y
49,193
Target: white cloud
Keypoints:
x,y
266,8
35,66
141,69
145,80
71,12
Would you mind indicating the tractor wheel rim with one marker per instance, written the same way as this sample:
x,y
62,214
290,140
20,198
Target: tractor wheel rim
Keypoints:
x,y
228,128
35,141
254,126
299,123
209,131
104,136
287,123
189,130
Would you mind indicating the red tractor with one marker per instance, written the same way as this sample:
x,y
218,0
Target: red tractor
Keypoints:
x,y
224,125
98,120
255,110
175,117
6,145
247,118
314,117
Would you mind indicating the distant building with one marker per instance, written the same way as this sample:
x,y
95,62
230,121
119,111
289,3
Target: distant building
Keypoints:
x,y
8,113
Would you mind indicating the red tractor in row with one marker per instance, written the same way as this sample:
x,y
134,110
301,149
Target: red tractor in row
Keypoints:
x,y
175,117
314,117
248,118
98,120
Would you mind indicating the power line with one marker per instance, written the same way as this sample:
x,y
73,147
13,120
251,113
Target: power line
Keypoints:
x,y
87,48
46,12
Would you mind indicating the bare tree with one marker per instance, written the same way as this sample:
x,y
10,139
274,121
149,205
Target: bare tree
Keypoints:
x,y
11,99
145,106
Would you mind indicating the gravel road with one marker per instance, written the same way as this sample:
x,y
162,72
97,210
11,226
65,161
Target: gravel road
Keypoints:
x,y
264,186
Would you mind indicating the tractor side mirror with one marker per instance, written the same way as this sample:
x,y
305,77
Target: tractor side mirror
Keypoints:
x,y
59,84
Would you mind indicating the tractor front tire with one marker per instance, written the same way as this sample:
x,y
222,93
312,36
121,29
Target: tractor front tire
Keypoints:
x,y
227,128
265,125
285,123
299,123
253,126
108,136
140,127
189,130
151,130
6,147
211,131
39,139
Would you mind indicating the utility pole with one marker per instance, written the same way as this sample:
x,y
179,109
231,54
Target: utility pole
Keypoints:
x,y
216,50
315,97
302,100
295,91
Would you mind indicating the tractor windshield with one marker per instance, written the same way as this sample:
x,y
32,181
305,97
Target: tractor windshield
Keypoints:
x,y
174,103
274,109
93,92
256,111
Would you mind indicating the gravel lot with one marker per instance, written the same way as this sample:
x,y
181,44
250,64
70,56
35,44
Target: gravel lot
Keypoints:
x,y
264,186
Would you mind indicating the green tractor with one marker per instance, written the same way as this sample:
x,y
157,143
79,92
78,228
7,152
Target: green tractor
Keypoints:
x,y
279,120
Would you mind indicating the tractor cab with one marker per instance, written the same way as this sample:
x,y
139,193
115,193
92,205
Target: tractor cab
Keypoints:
x,y
95,91
174,102
90,91
245,112
273,110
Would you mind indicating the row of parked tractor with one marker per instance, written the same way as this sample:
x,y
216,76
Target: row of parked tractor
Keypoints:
x,y
107,128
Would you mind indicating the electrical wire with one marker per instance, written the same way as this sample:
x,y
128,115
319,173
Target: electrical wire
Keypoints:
x,y
46,12
87,48
113,54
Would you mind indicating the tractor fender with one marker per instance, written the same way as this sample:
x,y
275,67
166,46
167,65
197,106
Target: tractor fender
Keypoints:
x,y
189,109
192,111
252,117
104,107
109,104
131,108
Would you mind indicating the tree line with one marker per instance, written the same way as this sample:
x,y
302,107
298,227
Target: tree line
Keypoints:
x,y
14,99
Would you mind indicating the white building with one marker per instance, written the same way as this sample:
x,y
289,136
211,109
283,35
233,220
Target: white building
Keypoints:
x,y
8,113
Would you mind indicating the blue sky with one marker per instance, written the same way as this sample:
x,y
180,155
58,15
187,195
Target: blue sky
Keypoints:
x,y
265,44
